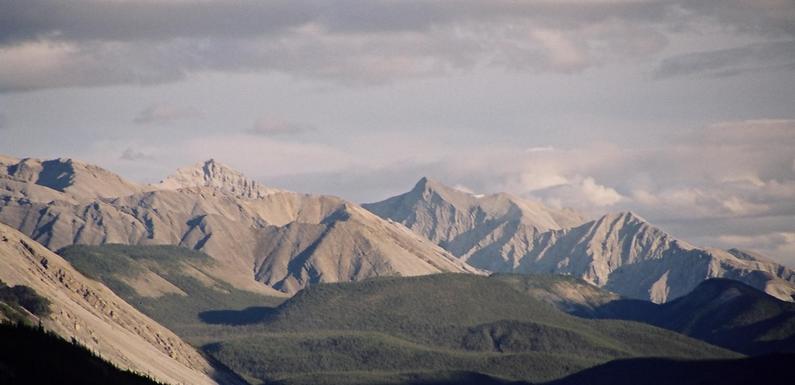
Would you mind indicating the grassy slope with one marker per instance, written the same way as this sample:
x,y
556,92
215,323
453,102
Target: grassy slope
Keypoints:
x,y
111,264
447,322
386,330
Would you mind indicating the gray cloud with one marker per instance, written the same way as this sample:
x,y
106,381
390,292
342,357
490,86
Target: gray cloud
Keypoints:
x,y
771,18
3,122
50,44
732,61
269,126
22,20
162,113
132,154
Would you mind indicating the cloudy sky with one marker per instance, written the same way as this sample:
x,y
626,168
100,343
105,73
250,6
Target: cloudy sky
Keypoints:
x,y
683,111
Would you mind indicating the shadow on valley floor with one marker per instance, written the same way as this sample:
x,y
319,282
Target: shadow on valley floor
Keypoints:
x,y
772,369
247,316
429,378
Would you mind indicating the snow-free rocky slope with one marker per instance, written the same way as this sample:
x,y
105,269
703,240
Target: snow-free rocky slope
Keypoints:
x,y
620,252
92,314
258,235
474,228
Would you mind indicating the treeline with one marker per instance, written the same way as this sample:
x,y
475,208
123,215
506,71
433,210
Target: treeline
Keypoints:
x,y
31,355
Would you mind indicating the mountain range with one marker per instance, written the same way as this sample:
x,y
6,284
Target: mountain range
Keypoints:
x,y
258,235
272,241
434,286
621,252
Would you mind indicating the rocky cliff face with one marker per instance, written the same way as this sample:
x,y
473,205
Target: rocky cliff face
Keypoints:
x,y
259,235
625,254
218,176
95,316
474,228
621,252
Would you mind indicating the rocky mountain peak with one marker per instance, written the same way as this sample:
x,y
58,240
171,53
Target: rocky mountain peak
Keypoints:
x,y
624,217
76,179
624,222
211,173
426,184
426,189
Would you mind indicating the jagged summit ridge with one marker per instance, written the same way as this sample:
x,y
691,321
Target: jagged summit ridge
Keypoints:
x,y
262,238
622,251
490,231
214,174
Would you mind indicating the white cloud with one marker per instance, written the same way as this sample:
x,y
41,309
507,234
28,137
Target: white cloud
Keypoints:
x,y
465,189
540,149
580,192
561,52
262,156
779,246
535,179
599,195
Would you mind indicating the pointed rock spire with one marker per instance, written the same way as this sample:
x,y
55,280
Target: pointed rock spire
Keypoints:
x,y
212,173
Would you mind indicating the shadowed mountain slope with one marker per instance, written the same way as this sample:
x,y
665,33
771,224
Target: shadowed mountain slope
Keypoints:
x,y
770,370
75,180
34,357
92,314
722,312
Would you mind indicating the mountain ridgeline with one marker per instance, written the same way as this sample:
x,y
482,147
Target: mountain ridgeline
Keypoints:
x,y
291,239
620,252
